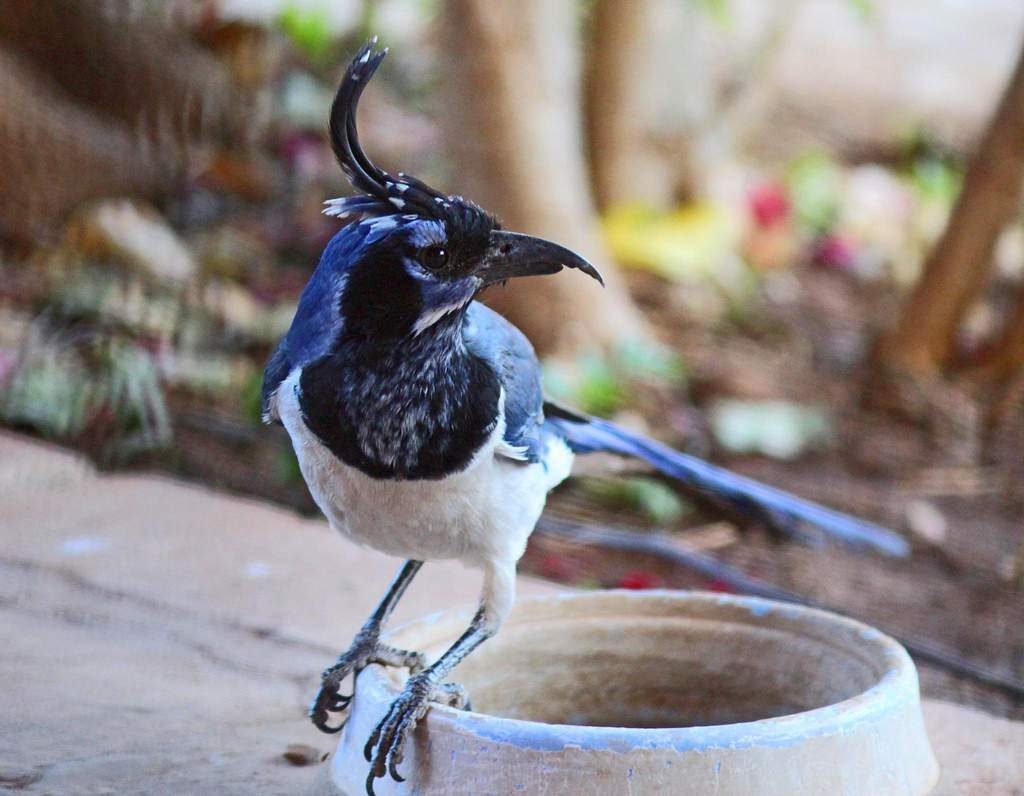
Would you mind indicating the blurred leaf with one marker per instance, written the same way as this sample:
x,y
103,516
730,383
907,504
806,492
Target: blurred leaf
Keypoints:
x,y
686,243
936,180
308,28
559,381
48,392
779,429
134,396
208,372
135,236
65,390
252,398
718,10
815,183
646,496
602,384
589,384
599,390
646,359
866,9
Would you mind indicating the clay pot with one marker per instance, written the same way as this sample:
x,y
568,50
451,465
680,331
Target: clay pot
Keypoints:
x,y
657,692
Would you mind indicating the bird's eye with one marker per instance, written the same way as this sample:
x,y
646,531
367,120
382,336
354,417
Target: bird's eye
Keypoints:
x,y
433,258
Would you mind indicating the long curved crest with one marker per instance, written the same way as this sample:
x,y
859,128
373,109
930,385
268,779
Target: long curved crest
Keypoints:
x,y
382,192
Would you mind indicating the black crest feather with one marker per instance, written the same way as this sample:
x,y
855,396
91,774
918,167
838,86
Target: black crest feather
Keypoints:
x,y
382,192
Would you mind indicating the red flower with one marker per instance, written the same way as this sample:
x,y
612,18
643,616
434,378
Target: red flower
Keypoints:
x,y
769,204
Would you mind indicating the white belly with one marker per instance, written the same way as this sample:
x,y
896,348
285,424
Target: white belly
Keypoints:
x,y
483,513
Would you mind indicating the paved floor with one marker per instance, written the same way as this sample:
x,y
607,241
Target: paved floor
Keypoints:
x,y
158,637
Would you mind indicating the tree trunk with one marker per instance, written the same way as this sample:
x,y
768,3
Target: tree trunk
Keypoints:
x,y
645,90
514,132
999,377
956,272
55,154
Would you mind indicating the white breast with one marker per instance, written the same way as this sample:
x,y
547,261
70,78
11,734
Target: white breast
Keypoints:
x,y
482,513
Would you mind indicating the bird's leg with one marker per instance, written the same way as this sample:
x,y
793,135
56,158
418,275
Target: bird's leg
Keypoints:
x,y
365,649
385,748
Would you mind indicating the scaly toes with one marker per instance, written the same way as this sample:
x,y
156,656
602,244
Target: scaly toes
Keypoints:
x,y
364,650
385,749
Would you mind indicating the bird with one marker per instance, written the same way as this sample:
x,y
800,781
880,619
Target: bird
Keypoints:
x,y
419,421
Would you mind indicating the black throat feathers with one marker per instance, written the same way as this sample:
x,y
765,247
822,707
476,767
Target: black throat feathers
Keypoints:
x,y
415,408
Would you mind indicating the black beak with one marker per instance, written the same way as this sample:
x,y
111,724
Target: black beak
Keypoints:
x,y
510,254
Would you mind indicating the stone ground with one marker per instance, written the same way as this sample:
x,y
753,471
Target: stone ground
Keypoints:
x,y
162,638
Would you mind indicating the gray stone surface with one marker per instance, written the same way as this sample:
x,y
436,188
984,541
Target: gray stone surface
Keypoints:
x,y
162,638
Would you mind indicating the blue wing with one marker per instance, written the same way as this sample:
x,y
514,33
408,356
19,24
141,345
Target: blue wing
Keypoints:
x,y
502,346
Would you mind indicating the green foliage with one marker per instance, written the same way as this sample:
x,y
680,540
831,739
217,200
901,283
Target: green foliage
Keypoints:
x,y
49,392
641,494
66,389
648,359
718,10
936,179
815,182
129,386
934,174
308,29
865,9
602,385
252,397
599,391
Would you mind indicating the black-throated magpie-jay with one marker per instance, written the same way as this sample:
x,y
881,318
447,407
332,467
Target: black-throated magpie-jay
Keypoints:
x,y
418,419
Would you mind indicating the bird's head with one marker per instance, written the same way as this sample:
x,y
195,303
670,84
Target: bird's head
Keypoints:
x,y
414,258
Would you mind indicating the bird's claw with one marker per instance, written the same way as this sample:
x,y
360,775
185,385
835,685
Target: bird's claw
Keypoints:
x,y
365,649
385,749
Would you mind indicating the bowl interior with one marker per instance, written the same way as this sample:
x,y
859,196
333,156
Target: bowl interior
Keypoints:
x,y
658,662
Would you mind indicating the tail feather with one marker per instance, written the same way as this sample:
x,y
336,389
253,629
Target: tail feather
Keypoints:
x,y
774,506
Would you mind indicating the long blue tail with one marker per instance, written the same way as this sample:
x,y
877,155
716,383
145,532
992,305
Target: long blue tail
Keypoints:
x,y
780,509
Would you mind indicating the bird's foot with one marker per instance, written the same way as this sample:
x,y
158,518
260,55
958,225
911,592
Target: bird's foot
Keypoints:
x,y
365,649
386,747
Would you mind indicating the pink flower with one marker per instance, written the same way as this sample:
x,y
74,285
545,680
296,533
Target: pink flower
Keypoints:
x,y
834,251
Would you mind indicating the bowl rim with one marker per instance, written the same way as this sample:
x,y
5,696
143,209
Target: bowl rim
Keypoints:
x,y
895,689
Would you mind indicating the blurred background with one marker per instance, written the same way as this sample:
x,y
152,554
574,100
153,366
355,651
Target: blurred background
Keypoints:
x,y
809,214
